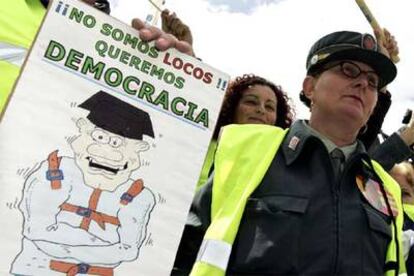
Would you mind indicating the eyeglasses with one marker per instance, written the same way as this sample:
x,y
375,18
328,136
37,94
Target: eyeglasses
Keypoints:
x,y
353,71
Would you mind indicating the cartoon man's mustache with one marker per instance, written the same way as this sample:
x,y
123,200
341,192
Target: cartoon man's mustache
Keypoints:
x,y
96,165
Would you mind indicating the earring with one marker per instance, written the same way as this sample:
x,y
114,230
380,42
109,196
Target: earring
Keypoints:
x,y
311,106
363,130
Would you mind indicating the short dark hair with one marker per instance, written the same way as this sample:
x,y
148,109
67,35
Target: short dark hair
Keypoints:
x,y
285,113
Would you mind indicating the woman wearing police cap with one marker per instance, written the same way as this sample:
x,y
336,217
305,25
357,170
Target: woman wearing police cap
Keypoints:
x,y
301,206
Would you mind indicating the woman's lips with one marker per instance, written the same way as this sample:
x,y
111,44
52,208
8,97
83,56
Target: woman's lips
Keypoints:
x,y
256,120
356,98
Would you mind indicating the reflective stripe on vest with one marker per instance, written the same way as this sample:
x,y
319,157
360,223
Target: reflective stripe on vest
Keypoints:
x,y
243,156
214,252
12,53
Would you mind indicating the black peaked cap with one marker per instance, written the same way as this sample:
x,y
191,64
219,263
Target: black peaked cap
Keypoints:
x,y
347,45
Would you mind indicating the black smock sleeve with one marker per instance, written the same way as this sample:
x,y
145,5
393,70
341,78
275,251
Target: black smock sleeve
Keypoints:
x,y
392,151
376,120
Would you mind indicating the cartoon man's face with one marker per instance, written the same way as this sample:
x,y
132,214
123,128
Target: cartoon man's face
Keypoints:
x,y
105,159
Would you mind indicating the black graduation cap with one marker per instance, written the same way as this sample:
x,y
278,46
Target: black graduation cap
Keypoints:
x,y
116,116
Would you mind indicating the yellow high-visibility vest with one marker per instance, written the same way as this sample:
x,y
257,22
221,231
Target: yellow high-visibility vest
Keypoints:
x,y
19,22
243,156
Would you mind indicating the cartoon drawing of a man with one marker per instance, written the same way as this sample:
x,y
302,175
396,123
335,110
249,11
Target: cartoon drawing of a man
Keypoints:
x,y
85,215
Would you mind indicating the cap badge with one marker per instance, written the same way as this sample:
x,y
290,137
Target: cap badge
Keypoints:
x,y
368,42
317,57
314,59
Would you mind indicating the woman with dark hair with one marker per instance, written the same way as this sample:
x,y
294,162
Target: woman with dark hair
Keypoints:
x,y
250,94
249,99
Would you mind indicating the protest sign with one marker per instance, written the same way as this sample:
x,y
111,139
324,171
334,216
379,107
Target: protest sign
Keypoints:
x,y
101,147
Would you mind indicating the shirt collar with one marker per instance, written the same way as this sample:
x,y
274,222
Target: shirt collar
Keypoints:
x,y
330,146
300,132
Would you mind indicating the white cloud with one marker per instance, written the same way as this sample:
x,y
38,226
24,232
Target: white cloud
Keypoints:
x,y
242,6
273,41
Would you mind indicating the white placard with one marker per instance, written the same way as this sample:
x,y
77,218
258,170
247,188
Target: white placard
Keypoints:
x,y
101,147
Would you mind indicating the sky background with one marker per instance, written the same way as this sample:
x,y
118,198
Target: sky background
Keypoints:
x,y
271,38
